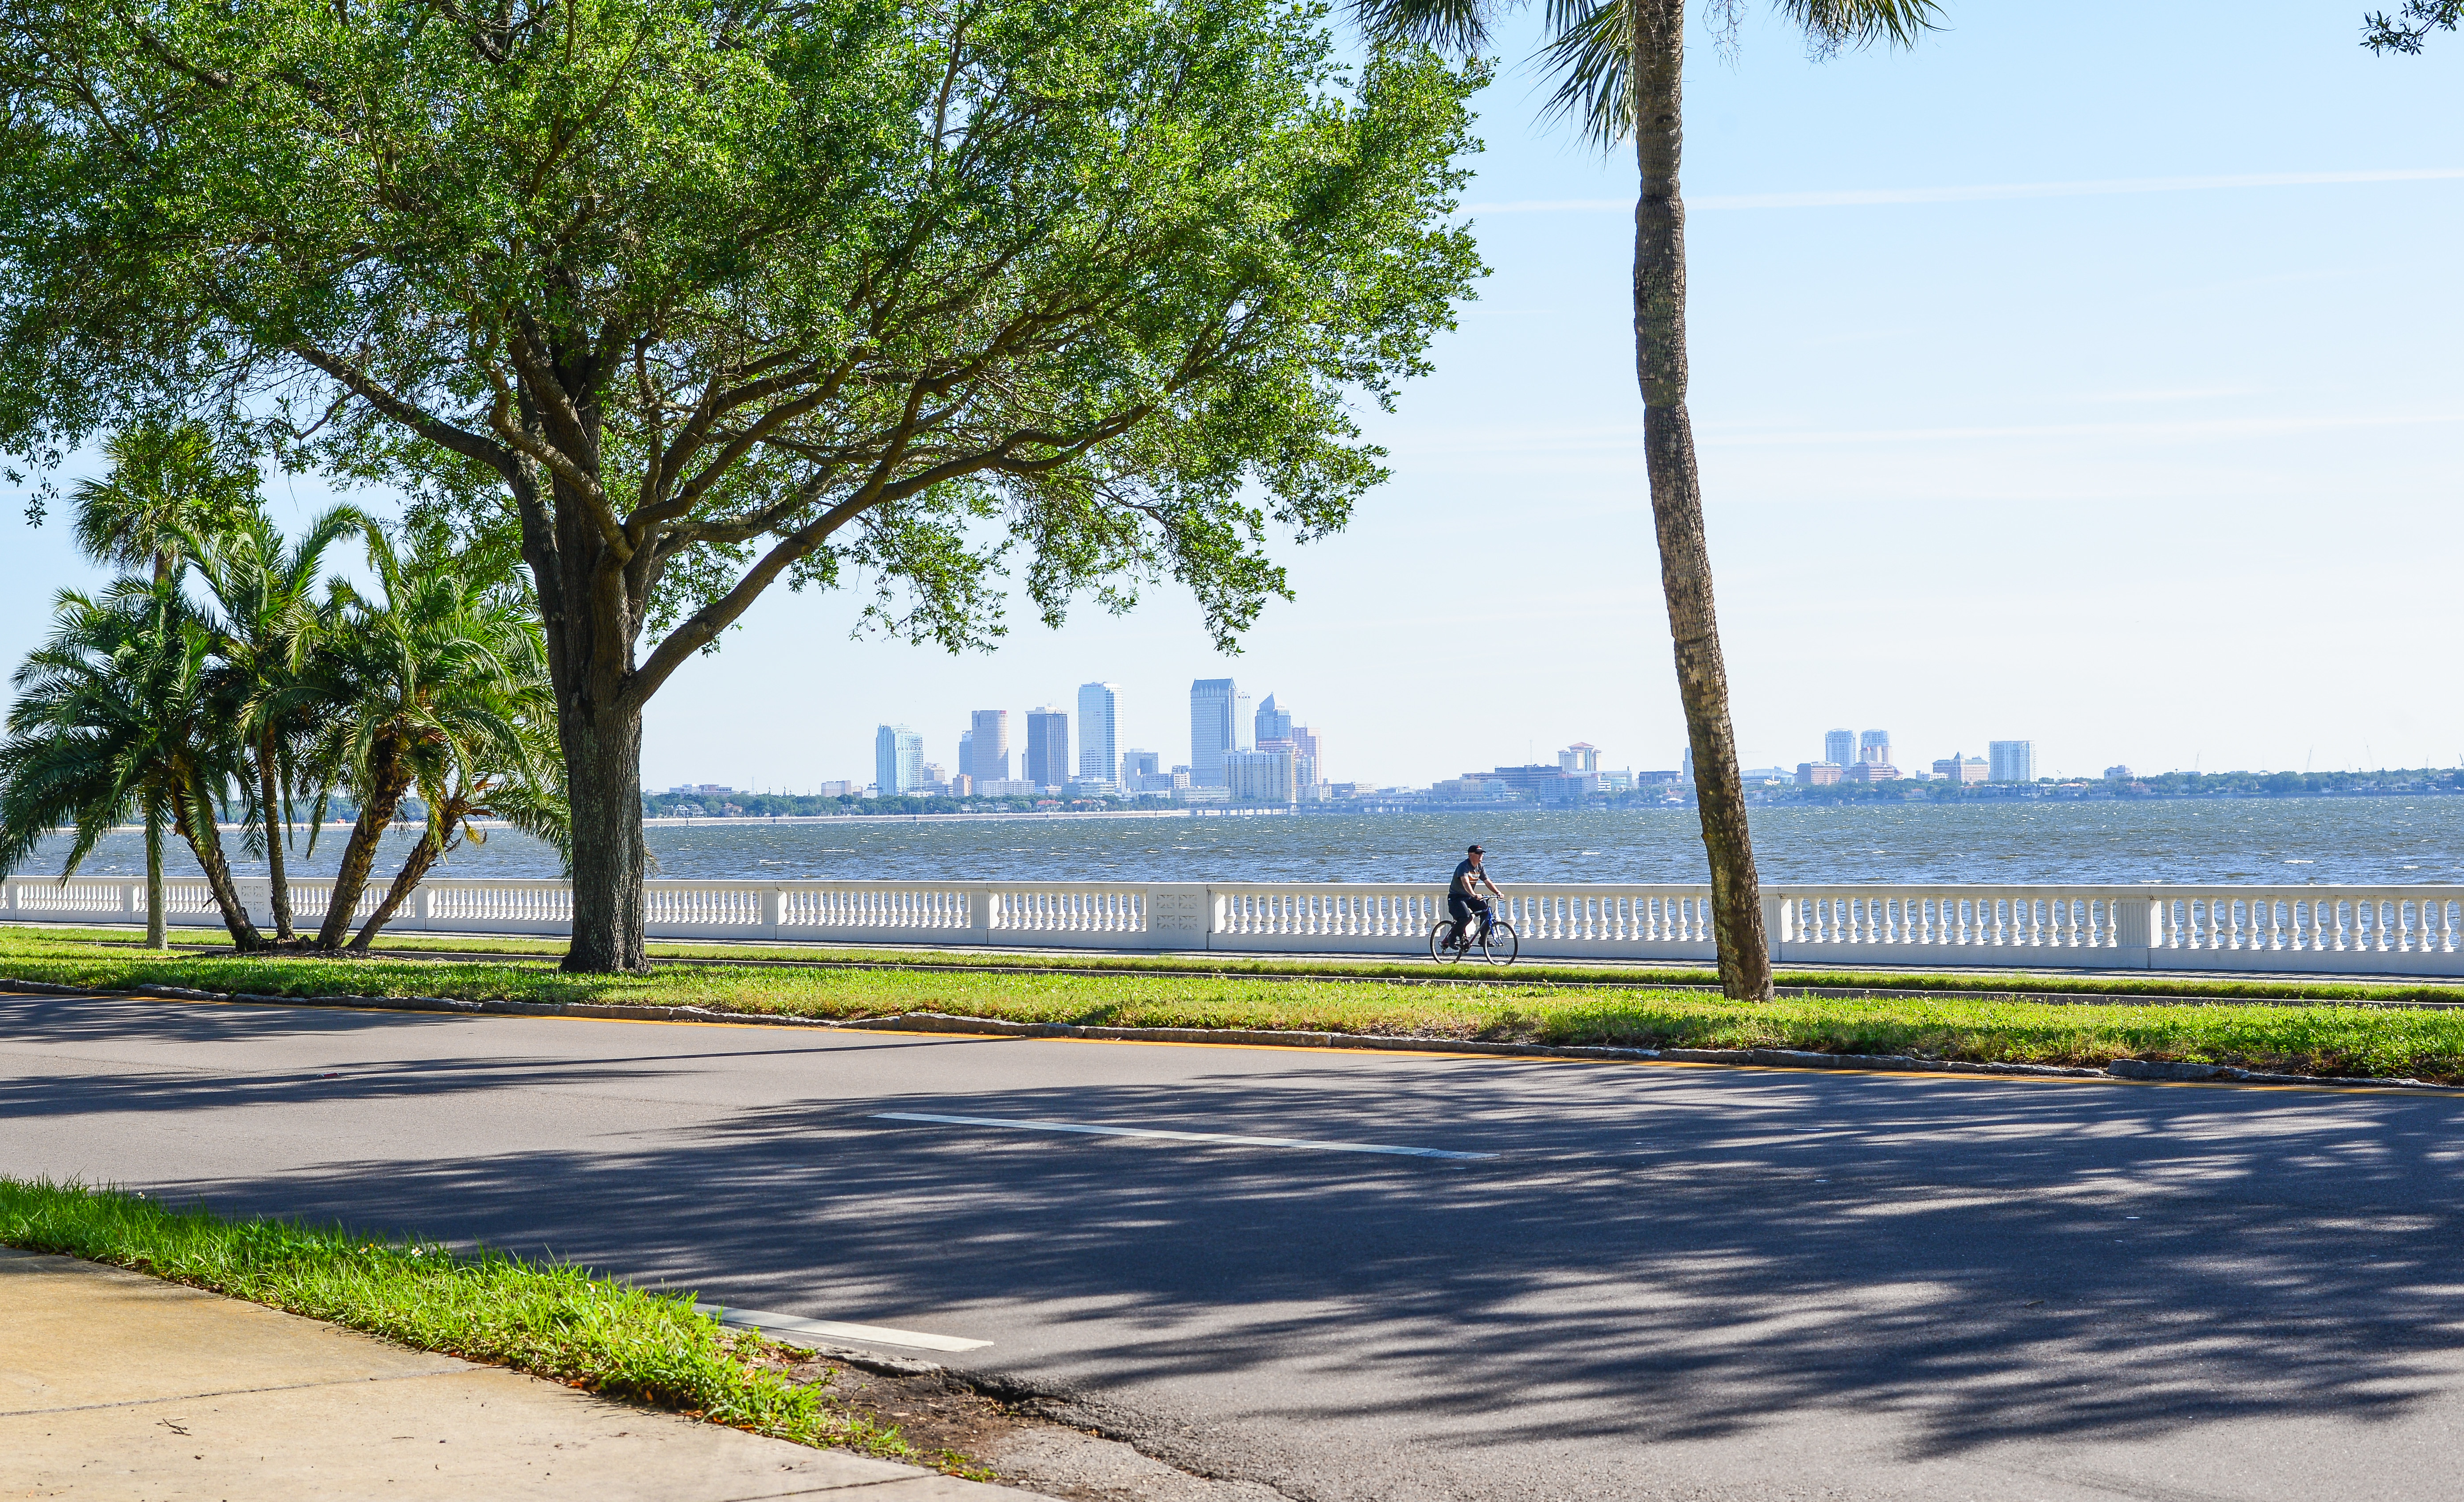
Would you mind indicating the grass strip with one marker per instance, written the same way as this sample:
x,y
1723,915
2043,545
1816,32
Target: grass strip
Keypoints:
x,y
1419,970
2323,1038
553,1320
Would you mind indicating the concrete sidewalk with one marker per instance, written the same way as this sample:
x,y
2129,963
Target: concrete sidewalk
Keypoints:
x,y
118,1385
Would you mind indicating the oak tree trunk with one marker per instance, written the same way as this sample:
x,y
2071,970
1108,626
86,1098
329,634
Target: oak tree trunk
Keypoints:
x,y
268,763
591,606
1676,497
603,759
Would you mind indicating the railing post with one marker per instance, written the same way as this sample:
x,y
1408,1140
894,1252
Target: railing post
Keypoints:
x,y
771,897
257,897
421,914
980,912
2134,931
1777,911
1178,916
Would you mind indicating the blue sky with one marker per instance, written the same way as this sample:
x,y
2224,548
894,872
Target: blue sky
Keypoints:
x,y
2087,375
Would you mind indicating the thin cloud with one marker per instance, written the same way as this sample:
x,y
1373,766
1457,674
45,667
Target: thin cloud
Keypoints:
x,y
1979,192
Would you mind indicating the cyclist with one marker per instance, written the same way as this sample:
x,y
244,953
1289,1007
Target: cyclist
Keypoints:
x,y
1464,899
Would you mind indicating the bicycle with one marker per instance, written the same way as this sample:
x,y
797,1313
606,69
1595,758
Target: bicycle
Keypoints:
x,y
1497,941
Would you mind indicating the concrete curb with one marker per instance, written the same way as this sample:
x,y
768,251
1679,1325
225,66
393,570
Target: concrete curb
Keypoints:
x,y
2121,1069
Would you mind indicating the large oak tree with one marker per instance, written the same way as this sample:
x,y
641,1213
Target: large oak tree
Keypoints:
x,y
700,297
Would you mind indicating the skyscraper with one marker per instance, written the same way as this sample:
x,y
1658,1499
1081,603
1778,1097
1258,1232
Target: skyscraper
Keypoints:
x,y
1581,756
1840,746
989,753
1243,723
1048,747
1211,733
2010,761
1274,724
1874,746
967,754
897,760
1099,731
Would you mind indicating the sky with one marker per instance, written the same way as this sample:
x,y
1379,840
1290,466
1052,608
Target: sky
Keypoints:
x,y
2086,375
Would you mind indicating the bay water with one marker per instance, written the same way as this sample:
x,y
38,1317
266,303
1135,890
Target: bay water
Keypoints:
x,y
2322,839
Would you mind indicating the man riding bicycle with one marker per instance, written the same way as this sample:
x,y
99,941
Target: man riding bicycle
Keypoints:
x,y
1464,899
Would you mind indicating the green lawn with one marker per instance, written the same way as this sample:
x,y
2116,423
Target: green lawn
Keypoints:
x,y
2326,1039
1399,967
484,1306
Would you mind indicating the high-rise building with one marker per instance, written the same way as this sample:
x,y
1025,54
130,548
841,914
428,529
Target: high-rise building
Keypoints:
x,y
1685,767
1961,768
1243,723
1581,756
2011,761
1840,746
1213,703
897,759
1048,747
989,753
1272,724
1874,746
1261,776
966,756
1305,744
1099,731
1136,764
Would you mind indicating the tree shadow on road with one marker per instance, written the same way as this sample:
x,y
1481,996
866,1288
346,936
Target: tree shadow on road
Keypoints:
x,y
1654,1253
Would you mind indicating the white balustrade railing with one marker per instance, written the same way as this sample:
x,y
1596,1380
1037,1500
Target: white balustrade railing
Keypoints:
x,y
2404,930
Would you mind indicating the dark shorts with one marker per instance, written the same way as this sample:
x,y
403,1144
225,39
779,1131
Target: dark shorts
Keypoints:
x,y
1463,907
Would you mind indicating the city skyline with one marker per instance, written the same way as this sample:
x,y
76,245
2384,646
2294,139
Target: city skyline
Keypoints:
x,y
2101,369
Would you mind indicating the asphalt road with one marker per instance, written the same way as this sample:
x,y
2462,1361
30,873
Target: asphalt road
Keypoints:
x,y
1666,1281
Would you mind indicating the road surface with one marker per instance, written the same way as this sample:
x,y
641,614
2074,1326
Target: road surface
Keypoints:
x,y
1638,1280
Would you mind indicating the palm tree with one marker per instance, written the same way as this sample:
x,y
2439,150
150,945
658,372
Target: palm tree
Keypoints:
x,y
513,772
441,684
1619,66
114,714
269,622
168,479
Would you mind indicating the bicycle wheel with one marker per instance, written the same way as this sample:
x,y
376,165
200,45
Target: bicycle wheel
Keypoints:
x,y
1498,942
1442,943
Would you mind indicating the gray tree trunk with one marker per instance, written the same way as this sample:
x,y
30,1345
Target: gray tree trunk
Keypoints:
x,y
154,920
277,827
193,817
1676,497
378,801
414,870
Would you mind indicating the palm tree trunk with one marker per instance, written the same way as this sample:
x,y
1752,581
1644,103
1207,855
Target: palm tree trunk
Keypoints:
x,y
154,934
359,854
192,815
277,827
414,870
1676,497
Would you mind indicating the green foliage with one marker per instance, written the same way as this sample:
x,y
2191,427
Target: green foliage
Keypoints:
x,y
170,482
2407,30
555,1320
697,295
117,715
